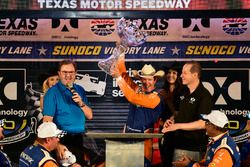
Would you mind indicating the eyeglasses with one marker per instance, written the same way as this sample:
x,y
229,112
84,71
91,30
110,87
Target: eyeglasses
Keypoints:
x,y
68,72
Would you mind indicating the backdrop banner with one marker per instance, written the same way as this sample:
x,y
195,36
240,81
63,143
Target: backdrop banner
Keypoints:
x,y
20,95
150,51
123,4
104,30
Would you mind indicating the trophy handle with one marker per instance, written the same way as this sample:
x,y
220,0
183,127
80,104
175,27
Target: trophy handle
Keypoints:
x,y
106,64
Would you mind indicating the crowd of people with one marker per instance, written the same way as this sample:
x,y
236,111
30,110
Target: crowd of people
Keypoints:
x,y
194,134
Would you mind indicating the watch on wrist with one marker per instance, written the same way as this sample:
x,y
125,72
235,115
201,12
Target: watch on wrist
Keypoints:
x,y
83,105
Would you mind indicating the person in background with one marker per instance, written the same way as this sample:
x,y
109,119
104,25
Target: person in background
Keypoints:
x,y
245,147
47,80
170,92
146,104
221,150
1,129
245,154
39,154
67,106
4,159
189,130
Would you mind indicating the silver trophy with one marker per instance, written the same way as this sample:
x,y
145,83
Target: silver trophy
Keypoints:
x,y
130,36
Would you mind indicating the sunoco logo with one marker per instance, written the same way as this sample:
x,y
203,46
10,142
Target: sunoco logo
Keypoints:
x,y
102,27
235,26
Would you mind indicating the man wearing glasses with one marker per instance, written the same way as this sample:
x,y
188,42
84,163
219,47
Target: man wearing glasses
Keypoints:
x,y
67,106
221,150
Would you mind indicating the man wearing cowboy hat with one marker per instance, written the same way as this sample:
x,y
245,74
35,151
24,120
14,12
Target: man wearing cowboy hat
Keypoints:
x,y
146,104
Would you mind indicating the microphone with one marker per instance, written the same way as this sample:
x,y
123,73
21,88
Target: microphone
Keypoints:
x,y
70,87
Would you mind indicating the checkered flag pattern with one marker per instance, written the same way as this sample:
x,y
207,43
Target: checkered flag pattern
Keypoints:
x,y
63,133
2,122
32,97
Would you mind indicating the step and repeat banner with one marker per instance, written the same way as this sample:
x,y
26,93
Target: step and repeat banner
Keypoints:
x,y
125,4
29,47
104,30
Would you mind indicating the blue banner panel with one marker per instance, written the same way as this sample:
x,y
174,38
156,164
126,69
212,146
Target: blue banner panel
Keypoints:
x,y
149,51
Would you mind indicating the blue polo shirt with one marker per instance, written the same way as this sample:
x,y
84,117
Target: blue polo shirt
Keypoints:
x,y
67,115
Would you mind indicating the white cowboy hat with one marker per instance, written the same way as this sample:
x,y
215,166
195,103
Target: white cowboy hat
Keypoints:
x,y
147,71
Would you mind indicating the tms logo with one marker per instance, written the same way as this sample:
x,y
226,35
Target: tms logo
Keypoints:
x,y
65,25
153,27
102,27
196,24
18,24
229,87
12,83
234,26
153,24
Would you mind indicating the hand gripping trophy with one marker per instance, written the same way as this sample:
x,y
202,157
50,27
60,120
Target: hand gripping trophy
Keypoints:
x,y
129,36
